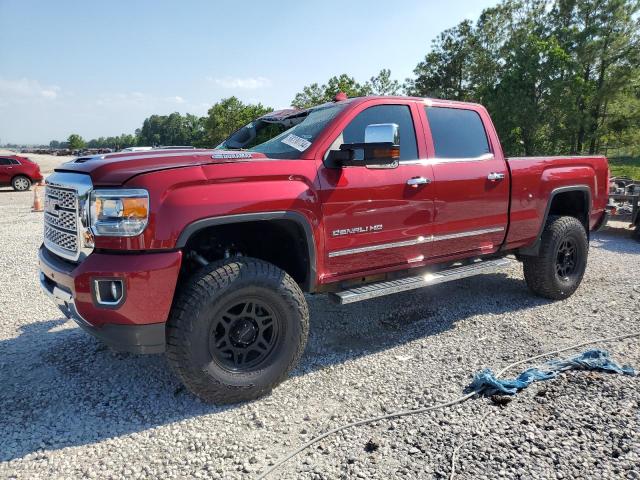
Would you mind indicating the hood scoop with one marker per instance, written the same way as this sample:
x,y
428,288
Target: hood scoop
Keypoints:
x,y
87,158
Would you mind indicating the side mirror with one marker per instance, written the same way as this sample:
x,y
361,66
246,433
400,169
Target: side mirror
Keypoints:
x,y
380,149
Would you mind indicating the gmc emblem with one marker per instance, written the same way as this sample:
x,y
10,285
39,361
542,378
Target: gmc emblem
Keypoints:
x,y
51,206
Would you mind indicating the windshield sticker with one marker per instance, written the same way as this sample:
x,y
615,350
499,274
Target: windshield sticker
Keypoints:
x,y
296,142
231,155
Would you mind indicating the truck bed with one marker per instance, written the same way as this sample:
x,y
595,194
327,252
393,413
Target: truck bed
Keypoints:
x,y
534,181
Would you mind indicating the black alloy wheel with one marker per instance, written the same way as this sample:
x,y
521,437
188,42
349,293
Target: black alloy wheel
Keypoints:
x,y
566,259
244,334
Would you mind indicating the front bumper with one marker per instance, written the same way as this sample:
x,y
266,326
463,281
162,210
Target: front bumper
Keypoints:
x,y
137,324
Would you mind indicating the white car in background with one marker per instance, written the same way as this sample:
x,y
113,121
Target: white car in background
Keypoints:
x,y
136,149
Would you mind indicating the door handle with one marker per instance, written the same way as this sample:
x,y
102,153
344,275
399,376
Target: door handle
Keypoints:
x,y
415,181
494,176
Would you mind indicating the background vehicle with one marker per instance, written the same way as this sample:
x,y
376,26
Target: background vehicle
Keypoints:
x,y
176,147
136,149
19,172
206,254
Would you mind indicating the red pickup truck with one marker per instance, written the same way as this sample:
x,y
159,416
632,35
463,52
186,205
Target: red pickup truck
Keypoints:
x,y
205,254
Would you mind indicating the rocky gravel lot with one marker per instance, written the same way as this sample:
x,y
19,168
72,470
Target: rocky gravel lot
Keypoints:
x,y
70,408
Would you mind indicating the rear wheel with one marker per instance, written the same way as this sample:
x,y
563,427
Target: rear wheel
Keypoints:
x,y
237,330
558,269
21,183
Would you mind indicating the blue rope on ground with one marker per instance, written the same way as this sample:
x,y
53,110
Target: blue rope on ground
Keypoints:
x,y
486,383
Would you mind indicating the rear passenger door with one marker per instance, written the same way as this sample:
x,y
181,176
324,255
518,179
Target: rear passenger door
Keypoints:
x,y
471,181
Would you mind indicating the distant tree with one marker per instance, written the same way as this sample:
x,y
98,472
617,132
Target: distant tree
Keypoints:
x,y
226,116
54,144
382,84
315,94
446,70
603,39
76,142
558,77
151,131
173,129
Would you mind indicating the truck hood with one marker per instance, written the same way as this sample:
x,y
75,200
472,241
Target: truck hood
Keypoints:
x,y
116,168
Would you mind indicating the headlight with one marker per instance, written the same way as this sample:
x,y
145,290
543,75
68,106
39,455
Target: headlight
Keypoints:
x,y
119,213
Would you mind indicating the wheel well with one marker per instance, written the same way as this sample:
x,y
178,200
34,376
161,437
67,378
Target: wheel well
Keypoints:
x,y
573,203
280,242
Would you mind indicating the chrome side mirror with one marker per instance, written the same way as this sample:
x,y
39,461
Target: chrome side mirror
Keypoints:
x,y
382,133
380,149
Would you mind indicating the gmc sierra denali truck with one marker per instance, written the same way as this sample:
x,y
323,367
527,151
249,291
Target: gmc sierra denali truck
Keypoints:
x,y
206,254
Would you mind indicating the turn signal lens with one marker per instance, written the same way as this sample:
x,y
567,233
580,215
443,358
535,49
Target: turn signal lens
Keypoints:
x,y
392,152
135,207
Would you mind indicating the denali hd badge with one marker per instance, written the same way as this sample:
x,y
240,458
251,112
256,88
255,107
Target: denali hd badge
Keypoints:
x,y
231,155
349,231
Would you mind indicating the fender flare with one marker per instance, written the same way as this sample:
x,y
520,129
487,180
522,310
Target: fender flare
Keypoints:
x,y
534,249
296,217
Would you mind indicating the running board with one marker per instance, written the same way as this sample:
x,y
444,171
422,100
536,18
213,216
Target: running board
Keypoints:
x,y
411,283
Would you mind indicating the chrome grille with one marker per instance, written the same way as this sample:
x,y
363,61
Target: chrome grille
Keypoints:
x,y
61,220
65,220
66,198
64,240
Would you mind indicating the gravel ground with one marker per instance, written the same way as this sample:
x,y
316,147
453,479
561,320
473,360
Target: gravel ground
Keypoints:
x,y
70,408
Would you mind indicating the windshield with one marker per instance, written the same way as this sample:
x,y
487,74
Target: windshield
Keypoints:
x,y
284,137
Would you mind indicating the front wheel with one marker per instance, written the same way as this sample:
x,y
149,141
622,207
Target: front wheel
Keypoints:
x,y
236,330
21,183
558,269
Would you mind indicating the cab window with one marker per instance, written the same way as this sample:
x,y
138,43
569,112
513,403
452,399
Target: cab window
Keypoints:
x,y
398,114
457,133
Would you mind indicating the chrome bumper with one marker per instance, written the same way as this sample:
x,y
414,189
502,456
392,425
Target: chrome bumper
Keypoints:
x,y
63,299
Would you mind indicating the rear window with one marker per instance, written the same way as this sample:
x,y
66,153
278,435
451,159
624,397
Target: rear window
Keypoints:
x,y
457,133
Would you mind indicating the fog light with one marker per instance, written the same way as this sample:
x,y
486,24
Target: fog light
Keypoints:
x,y
108,292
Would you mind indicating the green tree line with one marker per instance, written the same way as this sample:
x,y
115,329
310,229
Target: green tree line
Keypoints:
x,y
558,77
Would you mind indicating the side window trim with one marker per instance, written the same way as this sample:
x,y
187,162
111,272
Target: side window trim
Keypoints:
x,y
437,160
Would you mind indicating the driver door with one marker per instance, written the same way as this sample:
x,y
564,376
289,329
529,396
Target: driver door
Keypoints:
x,y
377,219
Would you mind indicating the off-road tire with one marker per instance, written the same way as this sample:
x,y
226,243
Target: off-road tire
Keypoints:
x,y
21,183
195,312
540,272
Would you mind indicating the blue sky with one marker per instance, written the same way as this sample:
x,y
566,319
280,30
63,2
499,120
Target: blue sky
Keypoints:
x,y
98,68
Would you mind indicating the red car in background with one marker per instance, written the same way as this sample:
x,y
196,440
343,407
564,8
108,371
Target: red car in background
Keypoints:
x,y
19,172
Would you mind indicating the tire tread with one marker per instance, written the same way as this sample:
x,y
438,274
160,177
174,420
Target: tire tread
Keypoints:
x,y
539,270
